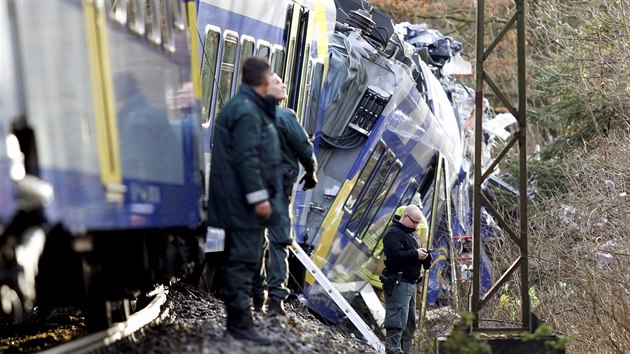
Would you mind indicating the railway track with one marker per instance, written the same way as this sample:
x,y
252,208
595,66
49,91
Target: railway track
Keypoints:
x,y
118,330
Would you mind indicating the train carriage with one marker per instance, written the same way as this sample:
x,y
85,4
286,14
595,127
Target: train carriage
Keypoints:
x,y
290,34
387,134
379,145
109,93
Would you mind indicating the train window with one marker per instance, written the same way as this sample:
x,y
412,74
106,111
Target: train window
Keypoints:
x,y
410,191
117,10
381,194
288,69
313,100
228,62
376,230
365,176
208,69
166,25
289,38
374,193
135,16
306,89
428,178
298,52
152,22
179,14
264,50
247,50
277,61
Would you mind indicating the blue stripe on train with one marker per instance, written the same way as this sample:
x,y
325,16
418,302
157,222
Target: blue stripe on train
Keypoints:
x,y
225,19
80,204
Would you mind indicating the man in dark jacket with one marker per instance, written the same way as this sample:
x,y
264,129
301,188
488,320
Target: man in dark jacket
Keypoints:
x,y
404,259
295,146
245,190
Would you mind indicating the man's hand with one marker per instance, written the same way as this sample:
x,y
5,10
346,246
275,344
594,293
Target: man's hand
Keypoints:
x,y
263,209
422,253
309,182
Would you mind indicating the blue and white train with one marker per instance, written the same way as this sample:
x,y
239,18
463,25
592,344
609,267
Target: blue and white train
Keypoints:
x,y
381,122
107,114
292,35
112,104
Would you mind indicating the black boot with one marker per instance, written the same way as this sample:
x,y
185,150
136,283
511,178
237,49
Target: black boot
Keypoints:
x,y
241,327
259,301
276,307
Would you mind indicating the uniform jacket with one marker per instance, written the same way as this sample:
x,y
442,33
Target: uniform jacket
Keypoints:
x,y
295,147
294,144
245,165
400,246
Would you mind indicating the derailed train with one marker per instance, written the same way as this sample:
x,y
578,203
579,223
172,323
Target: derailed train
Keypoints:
x,y
383,126
388,133
101,99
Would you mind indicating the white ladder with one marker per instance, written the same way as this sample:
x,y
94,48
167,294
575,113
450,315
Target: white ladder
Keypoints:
x,y
337,298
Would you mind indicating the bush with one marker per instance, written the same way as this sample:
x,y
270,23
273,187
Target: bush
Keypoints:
x,y
579,255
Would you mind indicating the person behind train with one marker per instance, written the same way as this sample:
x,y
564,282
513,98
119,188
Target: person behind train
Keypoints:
x,y
423,227
404,259
295,147
245,191
148,144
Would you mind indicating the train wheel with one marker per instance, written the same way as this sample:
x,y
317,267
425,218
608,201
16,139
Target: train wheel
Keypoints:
x,y
97,310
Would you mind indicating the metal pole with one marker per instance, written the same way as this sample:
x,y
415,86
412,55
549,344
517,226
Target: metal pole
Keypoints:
x,y
522,149
474,301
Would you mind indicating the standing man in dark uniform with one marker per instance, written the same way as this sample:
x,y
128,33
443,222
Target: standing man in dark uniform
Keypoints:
x,y
404,259
245,190
295,146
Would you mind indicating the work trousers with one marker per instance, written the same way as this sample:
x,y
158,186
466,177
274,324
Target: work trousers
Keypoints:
x,y
244,252
273,270
400,318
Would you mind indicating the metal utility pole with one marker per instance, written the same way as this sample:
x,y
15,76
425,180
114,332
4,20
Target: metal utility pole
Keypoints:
x,y
478,300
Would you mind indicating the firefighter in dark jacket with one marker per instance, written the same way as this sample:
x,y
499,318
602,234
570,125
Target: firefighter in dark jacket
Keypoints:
x,y
245,190
295,146
403,263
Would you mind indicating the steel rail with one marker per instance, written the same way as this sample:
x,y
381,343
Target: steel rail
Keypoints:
x,y
116,332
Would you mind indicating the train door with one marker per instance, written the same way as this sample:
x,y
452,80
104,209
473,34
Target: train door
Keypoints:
x,y
298,46
308,103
